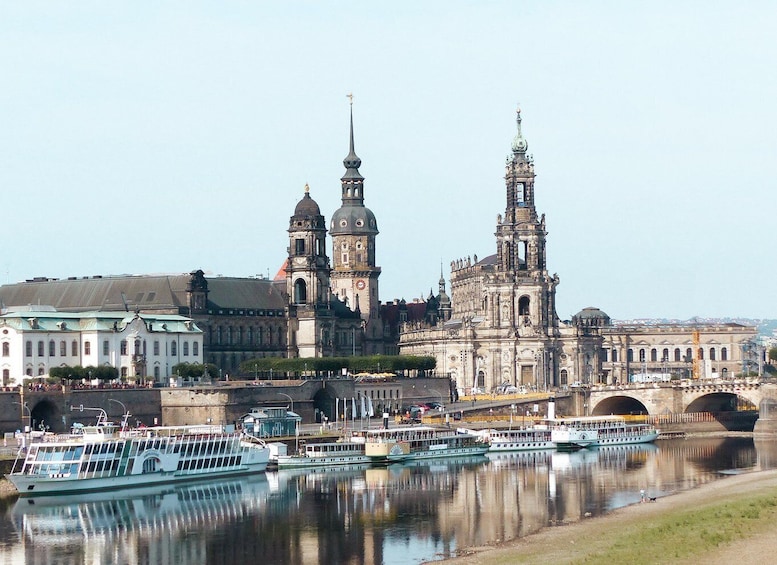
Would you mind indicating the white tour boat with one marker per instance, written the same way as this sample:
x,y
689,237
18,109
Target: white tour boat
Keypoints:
x,y
103,457
520,439
325,455
608,430
418,442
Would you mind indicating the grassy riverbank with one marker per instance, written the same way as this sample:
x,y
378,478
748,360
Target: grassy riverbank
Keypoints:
x,y
728,521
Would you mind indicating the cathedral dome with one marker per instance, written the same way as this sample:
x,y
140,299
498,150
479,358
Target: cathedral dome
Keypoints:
x,y
307,206
353,220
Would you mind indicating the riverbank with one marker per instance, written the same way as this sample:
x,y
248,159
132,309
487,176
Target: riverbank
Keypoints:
x,y
727,521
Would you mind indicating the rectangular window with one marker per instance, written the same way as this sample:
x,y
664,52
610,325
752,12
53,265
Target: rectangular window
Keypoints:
x,y
156,347
299,246
185,348
124,347
106,348
40,349
62,349
28,349
74,349
87,348
196,349
52,348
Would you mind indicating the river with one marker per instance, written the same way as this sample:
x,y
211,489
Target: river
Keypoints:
x,y
368,516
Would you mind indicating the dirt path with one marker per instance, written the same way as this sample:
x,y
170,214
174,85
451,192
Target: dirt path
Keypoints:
x,y
572,543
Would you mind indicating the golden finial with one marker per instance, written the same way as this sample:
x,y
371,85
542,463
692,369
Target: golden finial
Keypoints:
x,y
350,97
307,188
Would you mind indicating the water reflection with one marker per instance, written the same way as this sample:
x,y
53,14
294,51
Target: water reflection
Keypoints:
x,y
381,516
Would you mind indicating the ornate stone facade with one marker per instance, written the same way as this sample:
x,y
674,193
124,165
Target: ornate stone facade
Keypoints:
x,y
503,327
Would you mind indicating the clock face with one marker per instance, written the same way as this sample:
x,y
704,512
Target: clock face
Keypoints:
x,y
360,284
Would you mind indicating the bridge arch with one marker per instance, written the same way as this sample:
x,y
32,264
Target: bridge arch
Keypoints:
x,y
719,402
619,404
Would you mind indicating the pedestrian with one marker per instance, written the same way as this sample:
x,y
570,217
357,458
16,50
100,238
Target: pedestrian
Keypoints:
x,y
642,495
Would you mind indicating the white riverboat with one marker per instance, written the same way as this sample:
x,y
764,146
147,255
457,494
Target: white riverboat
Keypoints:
x,y
608,430
325,455
569,436
520,439
103,457
392,445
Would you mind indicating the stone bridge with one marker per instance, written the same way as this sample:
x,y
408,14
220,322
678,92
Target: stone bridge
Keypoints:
x,y
682,397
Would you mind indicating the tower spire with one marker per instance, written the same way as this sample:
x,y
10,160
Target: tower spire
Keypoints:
x,y
352,161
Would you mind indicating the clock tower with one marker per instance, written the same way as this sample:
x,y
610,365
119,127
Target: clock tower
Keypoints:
x,y
353,229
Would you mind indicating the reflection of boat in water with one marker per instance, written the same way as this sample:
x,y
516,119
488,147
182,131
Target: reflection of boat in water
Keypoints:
x,y
521,459
102,458
423,442
602,456
146,512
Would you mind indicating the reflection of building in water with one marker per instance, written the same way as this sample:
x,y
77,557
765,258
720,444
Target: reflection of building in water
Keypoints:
x,y
159,525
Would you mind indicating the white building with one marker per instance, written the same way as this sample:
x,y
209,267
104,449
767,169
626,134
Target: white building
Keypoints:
x,y
36,338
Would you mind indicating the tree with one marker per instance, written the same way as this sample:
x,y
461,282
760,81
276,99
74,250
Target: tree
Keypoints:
x,y
773,354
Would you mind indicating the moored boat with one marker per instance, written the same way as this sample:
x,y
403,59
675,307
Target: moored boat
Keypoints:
x,y
608,430
567,436
103,457
408,443
520,439
325,455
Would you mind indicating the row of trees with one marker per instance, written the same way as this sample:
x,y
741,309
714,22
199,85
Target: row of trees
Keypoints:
x,y
78,373
325,365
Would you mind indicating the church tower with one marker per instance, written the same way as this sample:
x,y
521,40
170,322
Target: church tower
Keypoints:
x,y
520,236
307,279
353,229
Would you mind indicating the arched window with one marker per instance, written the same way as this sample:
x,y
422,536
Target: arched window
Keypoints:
x,y
523,306
642,355
665,355
124,347
52,348
62,348
6,349
185,348
41,352
87,348
712,354
654,355
701,353
688,355
300,292
74,348
195,348
723,354
564,377
630,355
28,349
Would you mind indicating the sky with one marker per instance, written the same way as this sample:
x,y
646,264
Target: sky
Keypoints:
x,y
146,137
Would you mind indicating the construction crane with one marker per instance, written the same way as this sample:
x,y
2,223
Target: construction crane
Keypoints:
x,y
696,351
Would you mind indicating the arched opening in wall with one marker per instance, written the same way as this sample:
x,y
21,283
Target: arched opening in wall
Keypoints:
x,y
523,306
46,415
521,249
623,405
564,378
721,402
300,292
481,379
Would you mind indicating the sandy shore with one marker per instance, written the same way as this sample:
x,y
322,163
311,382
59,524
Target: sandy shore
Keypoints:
x,y
580,541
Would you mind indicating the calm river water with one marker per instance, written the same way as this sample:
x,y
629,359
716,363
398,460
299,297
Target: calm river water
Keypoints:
x,y
367,516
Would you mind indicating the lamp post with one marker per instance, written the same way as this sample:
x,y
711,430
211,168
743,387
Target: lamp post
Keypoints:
x,y
125,415
296,430
29,414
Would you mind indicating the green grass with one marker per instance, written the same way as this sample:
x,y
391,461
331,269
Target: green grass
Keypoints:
x,y
686,534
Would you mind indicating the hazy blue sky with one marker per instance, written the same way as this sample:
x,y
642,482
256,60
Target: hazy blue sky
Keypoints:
x,y
162,137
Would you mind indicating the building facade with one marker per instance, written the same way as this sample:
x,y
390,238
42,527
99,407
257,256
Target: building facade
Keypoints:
x,y
33,340
503,328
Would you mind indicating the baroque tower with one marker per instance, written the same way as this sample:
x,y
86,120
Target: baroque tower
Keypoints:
x,y
307,279
353,229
